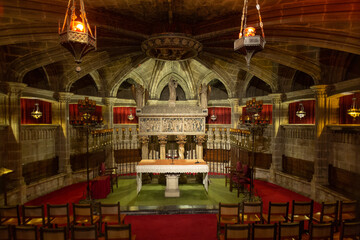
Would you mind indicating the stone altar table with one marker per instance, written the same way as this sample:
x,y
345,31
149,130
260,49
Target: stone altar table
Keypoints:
x,y
172,171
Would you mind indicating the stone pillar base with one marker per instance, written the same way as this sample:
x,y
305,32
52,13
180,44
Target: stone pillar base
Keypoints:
x,y
172,185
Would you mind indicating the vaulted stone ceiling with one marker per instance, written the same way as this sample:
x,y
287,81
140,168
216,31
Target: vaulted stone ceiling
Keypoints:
x,y
315,39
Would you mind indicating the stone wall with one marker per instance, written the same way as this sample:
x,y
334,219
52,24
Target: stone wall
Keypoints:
x,y
299,141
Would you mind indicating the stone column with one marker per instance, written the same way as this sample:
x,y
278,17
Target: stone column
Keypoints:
x,y
13,143
235,112
200,150
108,120
277,135
321,164
63,140
144,140
181,140
162,142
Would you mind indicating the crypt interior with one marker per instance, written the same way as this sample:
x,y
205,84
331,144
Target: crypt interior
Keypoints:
x,y
310,63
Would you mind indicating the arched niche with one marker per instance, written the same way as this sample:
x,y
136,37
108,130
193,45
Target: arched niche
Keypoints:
x,y
257,87
180,93
85,86
165,81
124,90
37,78
353,71
301,81
218,90
211,76
135,79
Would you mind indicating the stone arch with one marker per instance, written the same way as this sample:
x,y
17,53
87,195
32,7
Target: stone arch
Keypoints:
x,y
95,77
132,75
156,92
211,76
89,88
248,80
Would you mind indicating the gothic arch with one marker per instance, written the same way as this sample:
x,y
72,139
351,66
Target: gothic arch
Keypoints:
x,y
156,92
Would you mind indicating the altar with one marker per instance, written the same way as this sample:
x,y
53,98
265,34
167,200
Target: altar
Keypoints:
x,y
172,169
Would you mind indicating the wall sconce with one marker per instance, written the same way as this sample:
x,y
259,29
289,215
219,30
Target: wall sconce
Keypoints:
x,y
213,117
130,116
301,112
36,113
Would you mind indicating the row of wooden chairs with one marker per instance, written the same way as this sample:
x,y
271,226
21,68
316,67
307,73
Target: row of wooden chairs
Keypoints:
x,y
112,232
285,231
252,212
58,215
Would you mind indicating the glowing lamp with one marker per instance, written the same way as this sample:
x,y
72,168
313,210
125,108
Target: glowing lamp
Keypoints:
x,y
78,26
249,32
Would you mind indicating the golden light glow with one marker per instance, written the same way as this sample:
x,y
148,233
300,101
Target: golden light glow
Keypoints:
x,y
78,26
249,32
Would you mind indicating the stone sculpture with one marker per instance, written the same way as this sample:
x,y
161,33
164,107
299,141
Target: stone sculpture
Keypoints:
x,y
138,94
172,91
204,94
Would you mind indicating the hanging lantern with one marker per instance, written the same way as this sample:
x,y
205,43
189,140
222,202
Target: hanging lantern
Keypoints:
x,y
36,113
75,34
130,116
301,112
213,117
249,43
354,111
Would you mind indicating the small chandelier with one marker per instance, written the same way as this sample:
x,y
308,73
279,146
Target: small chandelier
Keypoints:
x,y
249,43
36,113
354,111
301,112
130,116
213,117
75,34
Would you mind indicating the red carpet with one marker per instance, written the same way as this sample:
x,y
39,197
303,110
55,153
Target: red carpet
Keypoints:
x,y
173,227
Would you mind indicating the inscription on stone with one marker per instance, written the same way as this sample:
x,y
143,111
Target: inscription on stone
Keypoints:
x,y
171,125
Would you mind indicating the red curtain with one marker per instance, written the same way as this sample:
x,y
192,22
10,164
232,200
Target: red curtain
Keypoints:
x,y
74,112
266,112
309,108
28,105
344,104
223,115
121,115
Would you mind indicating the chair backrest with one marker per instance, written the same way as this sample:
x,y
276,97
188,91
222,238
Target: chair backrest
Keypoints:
x,y
302,208
231,210
349,208
25,233
83,210
251,208
280,208
110,209
53,233
30,212
10,212
321,231
238,166
58,210
5,233
237,232
329,209
350,230
118,232
83,232
246,170
289,231
264,231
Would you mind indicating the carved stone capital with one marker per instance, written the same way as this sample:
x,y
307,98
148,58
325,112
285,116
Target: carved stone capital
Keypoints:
x,y
64,97
321,91
109,101
277,98
144,139
12,88
200,139
162,139
181,139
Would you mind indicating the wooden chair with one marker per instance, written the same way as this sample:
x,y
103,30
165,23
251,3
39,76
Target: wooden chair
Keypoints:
x,y
236,232
83,214
25,233
110,214
58,215
264,231
301,212
228,214
33,215
328,213
321,231
251,212
119,232
60,233
5,232
347,211
84,232
290,231
229,170
240,179
10,215
350,230
278,212
112,172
